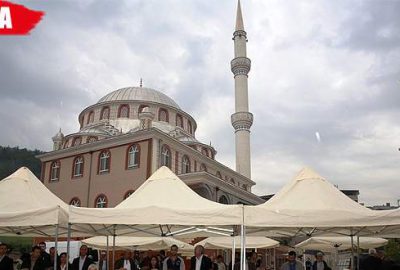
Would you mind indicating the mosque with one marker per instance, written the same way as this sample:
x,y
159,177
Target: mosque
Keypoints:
x,y
131,132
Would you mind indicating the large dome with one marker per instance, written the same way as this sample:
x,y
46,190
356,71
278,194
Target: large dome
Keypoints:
x,y
139,93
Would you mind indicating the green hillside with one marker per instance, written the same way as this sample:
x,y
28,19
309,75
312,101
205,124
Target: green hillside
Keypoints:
x,y
12,158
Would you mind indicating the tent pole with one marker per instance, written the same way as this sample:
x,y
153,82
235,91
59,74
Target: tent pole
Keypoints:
x,y
274,259
352,251
108,255
113,251
358,251
242,243
233,253
68,242
336,257
56,247
243,261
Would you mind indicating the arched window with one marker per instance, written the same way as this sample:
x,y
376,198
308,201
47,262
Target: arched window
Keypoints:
x,y
204,151
179,121
66,143
104,162
141,107
203,167
133,156
77,171
232,181
123,111
244,186
128,193
55,171
218,174
163,115
185,164
77,141
91,139
90,117
81,121
165,156
190,128
75,202
105,113
223,200
101,201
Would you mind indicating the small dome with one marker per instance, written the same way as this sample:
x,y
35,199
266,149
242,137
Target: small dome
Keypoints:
x,y
139,93
58,136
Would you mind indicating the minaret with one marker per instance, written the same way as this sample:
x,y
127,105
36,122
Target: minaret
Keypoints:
x,y
242,119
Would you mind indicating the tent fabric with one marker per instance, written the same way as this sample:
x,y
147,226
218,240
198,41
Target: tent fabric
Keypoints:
x,y
310,201
25,204
226,242
138,243
161,199
331,244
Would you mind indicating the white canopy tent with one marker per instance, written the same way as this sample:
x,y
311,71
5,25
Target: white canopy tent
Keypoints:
x,y
338,243
225,242
160,205
138,243
311,205
28,208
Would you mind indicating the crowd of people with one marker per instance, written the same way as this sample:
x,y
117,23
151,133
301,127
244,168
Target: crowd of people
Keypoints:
x,y
39,259
376,260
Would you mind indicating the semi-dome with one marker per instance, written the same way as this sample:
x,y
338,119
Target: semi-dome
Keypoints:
x,y
139,93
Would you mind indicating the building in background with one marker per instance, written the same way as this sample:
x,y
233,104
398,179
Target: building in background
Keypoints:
x,y
131,132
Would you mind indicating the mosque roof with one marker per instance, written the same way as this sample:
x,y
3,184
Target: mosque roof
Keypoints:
x,y
141,94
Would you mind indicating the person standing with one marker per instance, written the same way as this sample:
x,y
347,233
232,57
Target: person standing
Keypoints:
x,y
308,264
251,264
103,260
174,262
63,262
220,262
44,256
161,258
83,261
6,263
372,262
319,263
154,264
35,261
292,263
52,255
126,262
199,261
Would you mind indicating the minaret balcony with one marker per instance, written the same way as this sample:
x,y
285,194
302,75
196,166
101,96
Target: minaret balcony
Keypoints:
x,y
240,66
242,121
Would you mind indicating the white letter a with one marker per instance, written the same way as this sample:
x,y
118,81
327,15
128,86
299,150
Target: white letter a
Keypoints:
x,y
5,18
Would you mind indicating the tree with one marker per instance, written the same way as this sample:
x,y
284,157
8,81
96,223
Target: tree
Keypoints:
x,y
12,158
392,249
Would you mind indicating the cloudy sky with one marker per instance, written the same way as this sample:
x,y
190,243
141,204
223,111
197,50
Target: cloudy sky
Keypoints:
x,y
324,86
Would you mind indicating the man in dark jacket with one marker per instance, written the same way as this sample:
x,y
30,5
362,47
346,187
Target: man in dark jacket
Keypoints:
x,y
6,263
83,261
44,256
126,262
320,263
199,261
372,262
35,261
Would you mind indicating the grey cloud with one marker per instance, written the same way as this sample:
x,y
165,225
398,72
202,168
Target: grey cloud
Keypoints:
x,y
371,26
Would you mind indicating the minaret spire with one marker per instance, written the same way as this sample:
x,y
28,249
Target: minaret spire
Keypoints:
x,y
242,119
239,18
